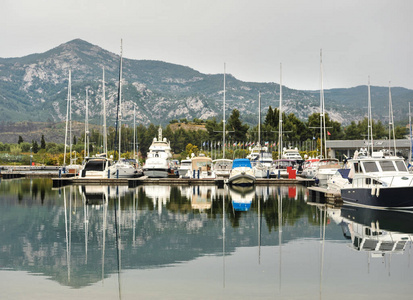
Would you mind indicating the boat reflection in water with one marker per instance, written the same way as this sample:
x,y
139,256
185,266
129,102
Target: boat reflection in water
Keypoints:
x,y
160,241
241,196
377,232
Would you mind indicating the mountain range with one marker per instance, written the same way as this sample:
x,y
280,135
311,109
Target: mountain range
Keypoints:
x,y
35,88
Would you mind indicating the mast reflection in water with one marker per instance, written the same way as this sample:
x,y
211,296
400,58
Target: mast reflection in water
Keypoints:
x,y
192,242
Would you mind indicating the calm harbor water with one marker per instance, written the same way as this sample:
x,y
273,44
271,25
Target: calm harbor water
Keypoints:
x,y
167,242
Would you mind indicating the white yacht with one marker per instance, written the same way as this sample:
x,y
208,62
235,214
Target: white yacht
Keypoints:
x,y
292,154
96,167
376,181
222,167
184,167
261,161
325,169
159,157
123,169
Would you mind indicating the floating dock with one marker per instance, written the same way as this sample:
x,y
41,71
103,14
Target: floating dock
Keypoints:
x,y
144,180
324,195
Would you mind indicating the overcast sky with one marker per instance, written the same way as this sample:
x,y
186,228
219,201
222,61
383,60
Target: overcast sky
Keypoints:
x,y
358,37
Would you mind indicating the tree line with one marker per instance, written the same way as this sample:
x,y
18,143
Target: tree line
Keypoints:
x,y
294,130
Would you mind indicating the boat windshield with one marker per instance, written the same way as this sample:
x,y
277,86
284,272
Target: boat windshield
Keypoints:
x,y
387,166
95,165
401,166
185,163
370,166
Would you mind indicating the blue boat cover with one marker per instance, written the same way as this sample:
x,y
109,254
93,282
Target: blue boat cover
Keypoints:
x,y
241,162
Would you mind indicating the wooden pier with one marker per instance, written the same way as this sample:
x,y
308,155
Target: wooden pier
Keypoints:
x,y
324,195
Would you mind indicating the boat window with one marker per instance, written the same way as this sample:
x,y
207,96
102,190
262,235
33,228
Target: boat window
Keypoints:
x,y
370,244
387,166
386,246
400,245
401,166
356,167
370,166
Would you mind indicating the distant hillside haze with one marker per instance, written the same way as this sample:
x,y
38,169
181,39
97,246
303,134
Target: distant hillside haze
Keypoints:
x,y
35,87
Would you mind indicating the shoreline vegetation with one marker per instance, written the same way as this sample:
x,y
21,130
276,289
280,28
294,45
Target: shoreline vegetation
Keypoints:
x,y
186,137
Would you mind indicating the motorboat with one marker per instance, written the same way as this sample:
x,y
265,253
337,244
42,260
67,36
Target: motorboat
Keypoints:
x,y
377,181
157,164
123,169
201,167
325,169
222,167
184,167
241,172
292,154
281,167
310,167
96,167
261,161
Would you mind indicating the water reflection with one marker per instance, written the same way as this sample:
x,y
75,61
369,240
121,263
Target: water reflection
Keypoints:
x,y
82,235
377,232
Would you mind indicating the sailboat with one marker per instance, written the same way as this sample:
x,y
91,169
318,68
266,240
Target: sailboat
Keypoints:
x,y
121,168
261,159
73,167
222,167
326,167
98,166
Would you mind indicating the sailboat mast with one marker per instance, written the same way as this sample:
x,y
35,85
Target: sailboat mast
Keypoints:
x,y
223,121
391,122
67,118
410,131
70,117
322,112
120,100
117,125
86,152
134,131
105,138
280,124
259,117
370,123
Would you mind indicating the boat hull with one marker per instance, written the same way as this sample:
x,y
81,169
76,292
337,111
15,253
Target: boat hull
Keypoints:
x,y
241,179
396,198
155,173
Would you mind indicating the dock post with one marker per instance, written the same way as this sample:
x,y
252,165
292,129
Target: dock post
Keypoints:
x,y
117,174
193,176
108,173
60,173
279,174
